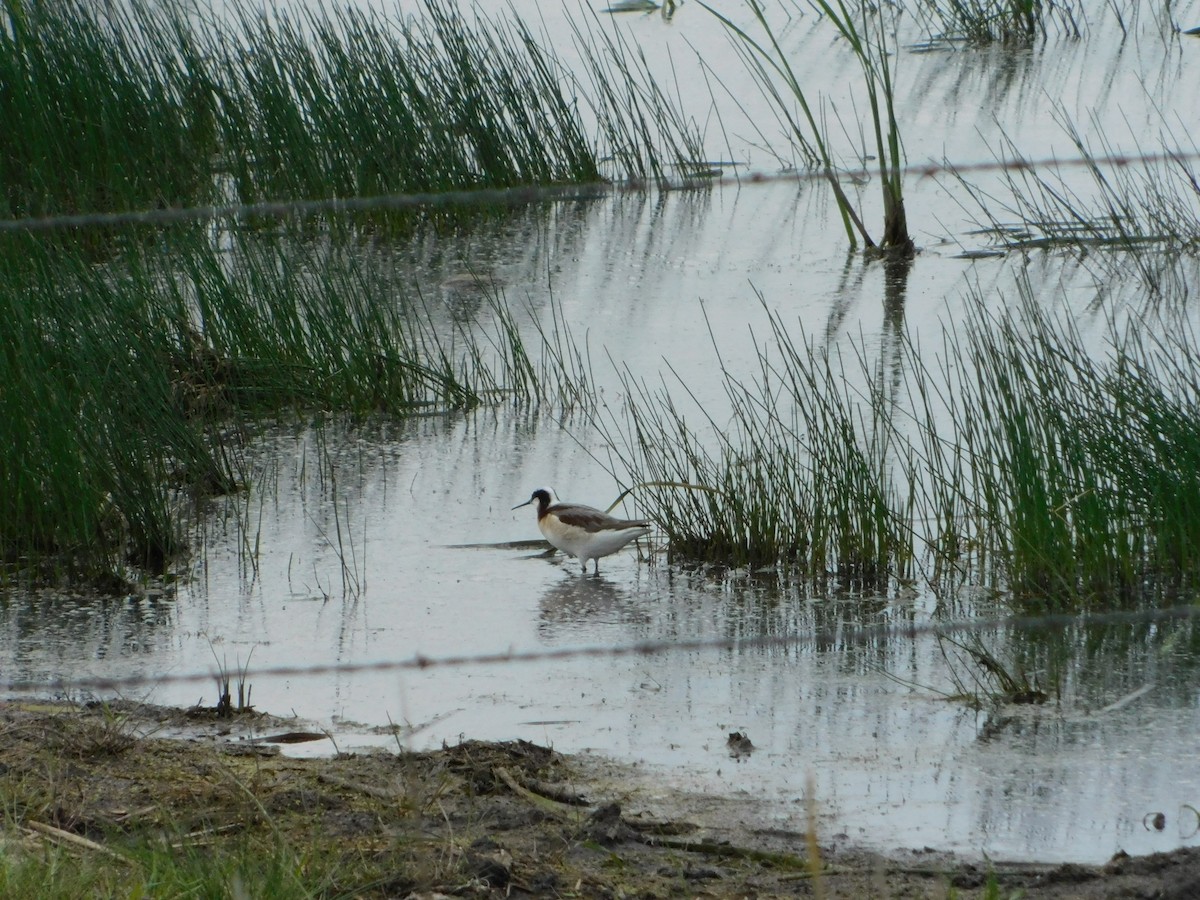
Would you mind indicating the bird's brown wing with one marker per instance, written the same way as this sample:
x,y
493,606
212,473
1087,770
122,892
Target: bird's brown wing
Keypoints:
x,y
590,519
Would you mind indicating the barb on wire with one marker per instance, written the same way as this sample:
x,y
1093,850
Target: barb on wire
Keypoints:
x,y
844,634
528,194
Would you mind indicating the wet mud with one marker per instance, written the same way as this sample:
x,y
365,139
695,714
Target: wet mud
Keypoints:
x,y
475,819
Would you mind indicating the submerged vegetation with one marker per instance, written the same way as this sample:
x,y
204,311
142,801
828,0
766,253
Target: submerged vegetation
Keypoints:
x,y
1102,202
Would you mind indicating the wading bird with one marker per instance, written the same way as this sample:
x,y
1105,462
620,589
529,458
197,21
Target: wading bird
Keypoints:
x,y
582,531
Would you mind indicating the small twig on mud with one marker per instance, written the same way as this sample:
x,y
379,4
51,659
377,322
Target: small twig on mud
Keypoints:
x,y
370,790
559,793
203,837
810,836
67,837
555,806
732,851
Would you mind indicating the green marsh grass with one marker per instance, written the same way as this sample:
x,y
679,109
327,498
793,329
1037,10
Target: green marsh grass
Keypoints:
x,y
1001,21
800,476
125,384
644,136
107,107
84,370
1022,460
138,105
190,868
1080,483
344,103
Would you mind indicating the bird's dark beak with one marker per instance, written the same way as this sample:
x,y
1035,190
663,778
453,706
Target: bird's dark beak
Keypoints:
x,y
526,503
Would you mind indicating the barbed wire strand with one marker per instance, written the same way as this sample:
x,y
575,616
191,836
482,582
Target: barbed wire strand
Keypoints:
x,y
529,194
844,635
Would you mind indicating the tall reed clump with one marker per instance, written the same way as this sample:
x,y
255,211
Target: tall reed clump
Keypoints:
x,y
1078,470
105,107
345,103
865,33
1022,461
278,327
139,105
121,382
92,436
799,476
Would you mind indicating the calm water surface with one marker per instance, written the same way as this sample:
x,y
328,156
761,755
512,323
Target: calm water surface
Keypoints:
x,y
357,533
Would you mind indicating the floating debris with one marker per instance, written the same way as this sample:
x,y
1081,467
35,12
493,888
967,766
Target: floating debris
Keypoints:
x,y
623,6
739,744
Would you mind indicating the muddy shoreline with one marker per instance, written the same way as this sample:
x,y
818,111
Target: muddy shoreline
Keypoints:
x,y
102,782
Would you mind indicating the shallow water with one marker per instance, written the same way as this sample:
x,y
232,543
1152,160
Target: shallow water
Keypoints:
x,y
348,547
894,763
